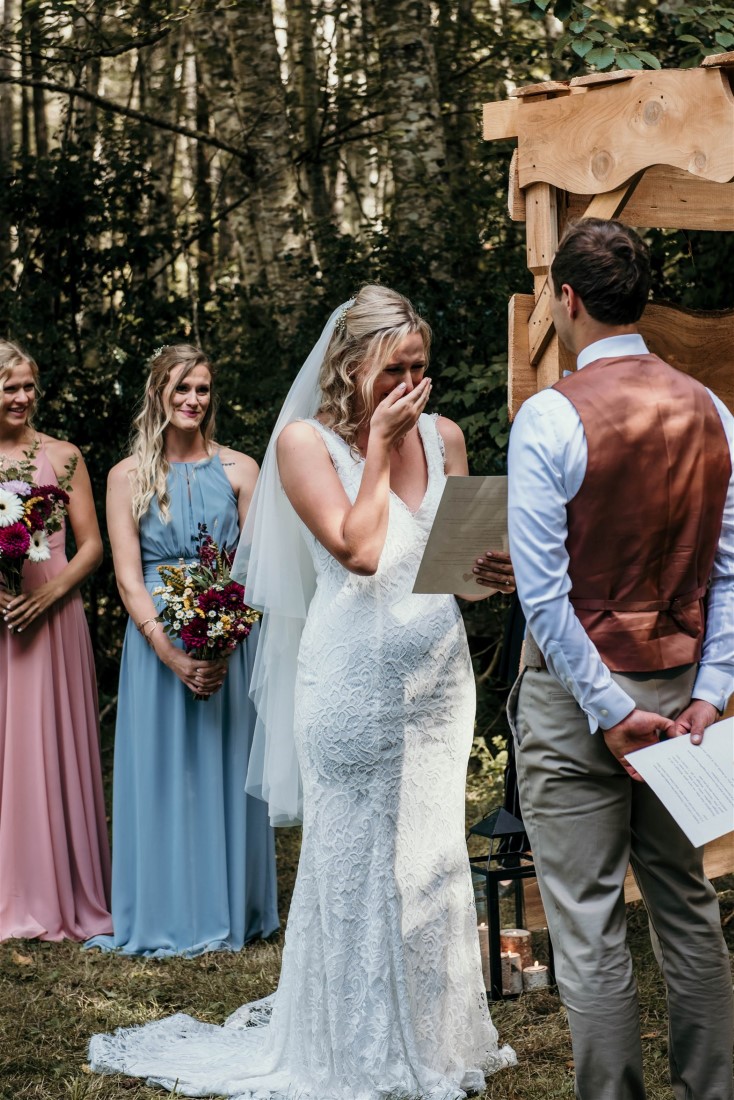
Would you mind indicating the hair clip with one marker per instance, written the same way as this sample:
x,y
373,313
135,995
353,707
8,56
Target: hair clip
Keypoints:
x,y
157,352
340,325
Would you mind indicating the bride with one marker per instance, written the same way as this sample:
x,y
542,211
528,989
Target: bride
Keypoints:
x,y
365,695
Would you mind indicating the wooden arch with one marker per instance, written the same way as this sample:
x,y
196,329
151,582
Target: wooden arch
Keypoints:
x,y
654,149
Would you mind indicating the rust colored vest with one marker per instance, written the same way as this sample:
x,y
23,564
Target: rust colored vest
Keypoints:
x,y
644,526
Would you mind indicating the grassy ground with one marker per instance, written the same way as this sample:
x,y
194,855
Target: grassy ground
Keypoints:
x,y
54,996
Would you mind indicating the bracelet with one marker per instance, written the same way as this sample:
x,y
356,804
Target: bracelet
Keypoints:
x,y
142,626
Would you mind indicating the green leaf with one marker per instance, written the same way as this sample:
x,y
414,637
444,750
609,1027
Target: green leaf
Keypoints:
x,y
690,38
578,26
724,39
602,58
581,46
563,9
628,61
648,58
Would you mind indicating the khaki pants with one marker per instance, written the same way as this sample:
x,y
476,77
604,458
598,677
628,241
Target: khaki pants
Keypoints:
x,y
587,820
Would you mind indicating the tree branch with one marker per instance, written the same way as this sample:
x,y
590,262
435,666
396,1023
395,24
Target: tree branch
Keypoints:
x,y
128,112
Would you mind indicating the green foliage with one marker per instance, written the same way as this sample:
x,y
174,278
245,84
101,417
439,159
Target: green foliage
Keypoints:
x,y
620,36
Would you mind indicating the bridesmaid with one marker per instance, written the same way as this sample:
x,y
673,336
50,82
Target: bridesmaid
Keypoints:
x,y
54,856
193,855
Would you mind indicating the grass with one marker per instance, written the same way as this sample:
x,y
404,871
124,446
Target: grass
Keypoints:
x,y
54,996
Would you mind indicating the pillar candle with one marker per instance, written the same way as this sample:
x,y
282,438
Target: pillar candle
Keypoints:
x,y
511,972
534,977
483,931
517,939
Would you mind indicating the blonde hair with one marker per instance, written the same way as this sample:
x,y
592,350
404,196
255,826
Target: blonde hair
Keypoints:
x,y
12,356
147,446
368,333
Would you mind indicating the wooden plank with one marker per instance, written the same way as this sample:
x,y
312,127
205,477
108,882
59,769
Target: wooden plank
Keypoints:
x,y
547,88
718,860
607,205
555,360
540,325
719,61
596,79
499,120
669,198
701,344
594,142
515,197
521,377
541,233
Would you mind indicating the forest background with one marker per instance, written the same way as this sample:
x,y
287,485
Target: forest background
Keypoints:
x,y
225,172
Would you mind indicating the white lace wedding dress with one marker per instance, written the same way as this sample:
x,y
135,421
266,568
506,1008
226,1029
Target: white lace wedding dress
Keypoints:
x,y
381,991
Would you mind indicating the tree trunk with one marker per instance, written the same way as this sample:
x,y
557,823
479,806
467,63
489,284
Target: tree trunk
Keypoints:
x,y
310,101
203,192
409,93
160,95
275,204
32,18
7,112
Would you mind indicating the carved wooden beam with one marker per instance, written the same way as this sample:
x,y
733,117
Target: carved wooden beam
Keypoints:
x,y
669,198
596,141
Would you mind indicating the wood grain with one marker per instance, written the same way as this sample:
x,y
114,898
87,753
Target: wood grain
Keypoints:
x,y
522,378
499,120
592,143
701,344
669,198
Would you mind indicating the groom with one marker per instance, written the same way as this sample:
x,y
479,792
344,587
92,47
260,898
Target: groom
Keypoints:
x,y
622,538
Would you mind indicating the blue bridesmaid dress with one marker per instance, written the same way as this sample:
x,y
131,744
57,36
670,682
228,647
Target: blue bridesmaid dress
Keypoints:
x,y
193,865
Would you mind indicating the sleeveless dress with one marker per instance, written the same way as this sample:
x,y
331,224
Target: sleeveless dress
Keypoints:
x,y
193,865
381,991
54,853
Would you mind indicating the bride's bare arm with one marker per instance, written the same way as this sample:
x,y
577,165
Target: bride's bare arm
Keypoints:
x,y
352,533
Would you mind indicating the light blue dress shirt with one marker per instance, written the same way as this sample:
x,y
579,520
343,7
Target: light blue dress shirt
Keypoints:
x,y
547,464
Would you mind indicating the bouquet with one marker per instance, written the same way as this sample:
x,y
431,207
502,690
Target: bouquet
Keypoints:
x,y
29,513
202,605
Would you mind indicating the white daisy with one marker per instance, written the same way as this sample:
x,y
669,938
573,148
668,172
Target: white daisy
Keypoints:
x,y
39,550
11,508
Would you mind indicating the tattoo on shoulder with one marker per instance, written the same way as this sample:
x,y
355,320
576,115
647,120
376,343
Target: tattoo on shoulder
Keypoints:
x,y
229,464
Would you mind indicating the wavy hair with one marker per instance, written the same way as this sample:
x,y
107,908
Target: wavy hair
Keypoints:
x,y
366,335
12,356
148,444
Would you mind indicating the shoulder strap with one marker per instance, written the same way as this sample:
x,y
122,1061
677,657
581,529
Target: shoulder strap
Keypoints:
x,y
433,442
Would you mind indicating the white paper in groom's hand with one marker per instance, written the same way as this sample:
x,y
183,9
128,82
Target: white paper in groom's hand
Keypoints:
x,y
471,519
695,783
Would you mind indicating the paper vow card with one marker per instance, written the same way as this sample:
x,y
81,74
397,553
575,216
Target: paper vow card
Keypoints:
x,y
695,783
471,519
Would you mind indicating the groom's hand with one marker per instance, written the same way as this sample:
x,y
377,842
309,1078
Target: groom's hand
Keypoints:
x,y
694,719
638,730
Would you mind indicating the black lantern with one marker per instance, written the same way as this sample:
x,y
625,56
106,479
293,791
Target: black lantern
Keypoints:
x,y
503,869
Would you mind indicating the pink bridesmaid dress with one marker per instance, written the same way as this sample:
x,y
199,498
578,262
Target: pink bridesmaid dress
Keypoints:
x,y
54,853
